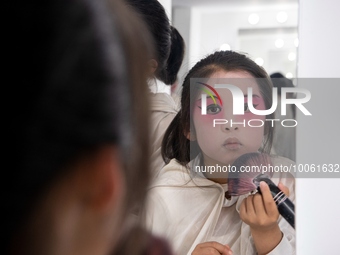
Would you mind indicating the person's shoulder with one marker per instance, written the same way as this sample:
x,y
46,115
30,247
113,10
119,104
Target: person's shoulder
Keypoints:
x,y
175,174
163,102
172,174
172,166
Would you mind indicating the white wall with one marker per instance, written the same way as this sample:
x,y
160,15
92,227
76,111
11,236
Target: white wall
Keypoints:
x,y
223,26
318,203
210,27
187,21
167,4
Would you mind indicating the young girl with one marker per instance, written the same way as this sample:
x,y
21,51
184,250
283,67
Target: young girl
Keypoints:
x,y
164,64
191,208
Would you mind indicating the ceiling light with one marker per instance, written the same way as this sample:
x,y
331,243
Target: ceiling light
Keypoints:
x,y
259,61
225,47
253,18
279,43
292,56
282,17
289,75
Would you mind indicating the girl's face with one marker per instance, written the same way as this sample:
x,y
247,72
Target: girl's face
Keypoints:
x,y
224,143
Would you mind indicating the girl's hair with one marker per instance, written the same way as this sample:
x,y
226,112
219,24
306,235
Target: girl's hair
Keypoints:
x,y
168,43
175,144
176,55
78,88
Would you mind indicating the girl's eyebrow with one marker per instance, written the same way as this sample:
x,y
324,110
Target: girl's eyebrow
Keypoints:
x,y
199,99
254,95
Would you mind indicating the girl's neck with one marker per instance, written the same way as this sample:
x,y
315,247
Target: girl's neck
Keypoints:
x,y
218,180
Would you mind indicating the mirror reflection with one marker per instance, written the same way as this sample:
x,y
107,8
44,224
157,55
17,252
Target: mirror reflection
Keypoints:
x,y
266,30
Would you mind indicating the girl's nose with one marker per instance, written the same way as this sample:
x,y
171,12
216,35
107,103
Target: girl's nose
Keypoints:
x,y
233,122
229,128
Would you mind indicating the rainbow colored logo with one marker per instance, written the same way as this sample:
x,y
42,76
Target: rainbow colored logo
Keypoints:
x,y
209,93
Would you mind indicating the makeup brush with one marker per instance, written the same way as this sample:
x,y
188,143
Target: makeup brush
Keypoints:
x,y
244,169
246,177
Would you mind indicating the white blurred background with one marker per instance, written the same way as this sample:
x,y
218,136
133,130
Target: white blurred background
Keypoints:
x,y
264,29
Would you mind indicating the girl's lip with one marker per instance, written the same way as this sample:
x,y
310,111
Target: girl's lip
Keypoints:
x,y
231,141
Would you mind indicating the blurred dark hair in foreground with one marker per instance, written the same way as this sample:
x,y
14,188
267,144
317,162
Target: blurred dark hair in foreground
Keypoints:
x,y
78,129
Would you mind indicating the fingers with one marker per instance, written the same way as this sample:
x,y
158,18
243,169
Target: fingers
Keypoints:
x,y
268,201
212,248
243,210
259,205
284,189
252,209
259,211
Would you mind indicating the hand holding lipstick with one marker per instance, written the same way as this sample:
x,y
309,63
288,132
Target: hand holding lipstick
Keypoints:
x,y
261,214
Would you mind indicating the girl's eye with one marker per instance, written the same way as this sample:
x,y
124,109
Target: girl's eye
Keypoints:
x,y
213,109
246,107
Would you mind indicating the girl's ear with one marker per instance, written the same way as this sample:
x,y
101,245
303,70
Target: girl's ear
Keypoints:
x,y
191,135
153,64
101,179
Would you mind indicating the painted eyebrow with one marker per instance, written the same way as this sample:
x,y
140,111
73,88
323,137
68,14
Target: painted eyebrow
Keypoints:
x,y
199,99
213,90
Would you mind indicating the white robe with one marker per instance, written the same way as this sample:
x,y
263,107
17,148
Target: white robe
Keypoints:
x,y
189,210
163,111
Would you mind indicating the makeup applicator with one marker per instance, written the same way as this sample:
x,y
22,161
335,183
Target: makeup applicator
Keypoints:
x,y
247,176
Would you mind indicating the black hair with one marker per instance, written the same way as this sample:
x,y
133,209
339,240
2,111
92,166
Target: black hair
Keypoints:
x,y
175,144
176,56
76,81
279,81
168,43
